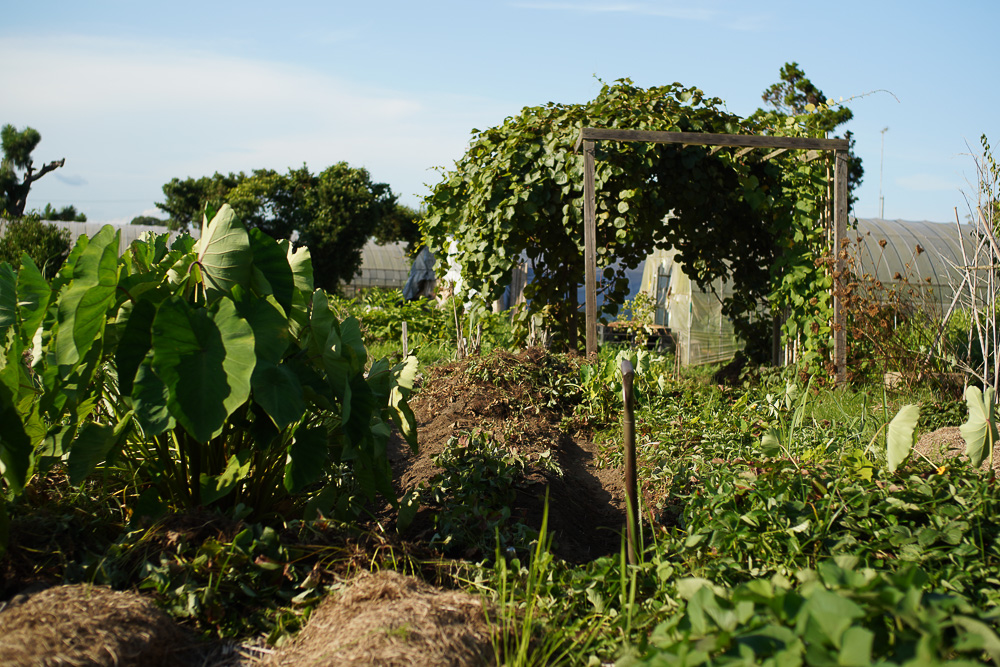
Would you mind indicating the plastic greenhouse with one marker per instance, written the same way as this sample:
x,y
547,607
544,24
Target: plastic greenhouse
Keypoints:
x,y
927,254
381,266
693,315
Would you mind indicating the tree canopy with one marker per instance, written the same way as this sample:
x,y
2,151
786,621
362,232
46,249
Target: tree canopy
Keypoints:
x,y
46,245
17,148
795,95
66,214
148,220
333,213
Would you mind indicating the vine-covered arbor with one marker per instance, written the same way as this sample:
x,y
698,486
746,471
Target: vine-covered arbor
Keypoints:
x,y
746,143
518,194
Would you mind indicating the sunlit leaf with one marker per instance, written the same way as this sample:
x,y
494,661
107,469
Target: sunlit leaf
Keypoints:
x,y
224,253
980,431
901,435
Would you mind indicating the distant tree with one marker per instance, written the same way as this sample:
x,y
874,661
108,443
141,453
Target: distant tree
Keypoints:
x,y
794,94
400,225
47,245
333,213
185,200
17,148
148,220
66,214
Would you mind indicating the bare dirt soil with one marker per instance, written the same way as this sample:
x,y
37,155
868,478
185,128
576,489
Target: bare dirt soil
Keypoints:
x,y
497,395
377,619
947,443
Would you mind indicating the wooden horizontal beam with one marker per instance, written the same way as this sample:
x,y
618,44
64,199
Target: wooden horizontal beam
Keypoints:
x,y
710,139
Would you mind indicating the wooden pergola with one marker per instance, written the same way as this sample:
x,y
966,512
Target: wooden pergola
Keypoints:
x,y
746,143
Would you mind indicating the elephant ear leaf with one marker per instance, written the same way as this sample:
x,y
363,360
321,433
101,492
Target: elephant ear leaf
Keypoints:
x,y
8,298
33,295
901,434
83,306
224,253
980,431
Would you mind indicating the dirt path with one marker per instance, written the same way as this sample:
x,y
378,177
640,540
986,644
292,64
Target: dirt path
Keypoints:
x,y
497,396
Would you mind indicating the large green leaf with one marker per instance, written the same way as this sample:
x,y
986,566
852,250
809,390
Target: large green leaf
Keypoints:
x,y
901,435
277,389
8,298
270,260
270,327
301,265
218,486
84,304
205,358
15,446
980,432
308,458
33,295
89,448
134,344
150,400
224,254
354,345
300,262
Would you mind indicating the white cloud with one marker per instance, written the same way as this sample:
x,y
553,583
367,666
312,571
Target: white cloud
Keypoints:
x,y
132,115
70,179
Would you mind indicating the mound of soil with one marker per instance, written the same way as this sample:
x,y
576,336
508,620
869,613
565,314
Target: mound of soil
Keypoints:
x,y
390,619
91,625
947,443
500,395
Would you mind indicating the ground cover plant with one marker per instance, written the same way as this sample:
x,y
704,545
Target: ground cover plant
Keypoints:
x,y
783,521
741,531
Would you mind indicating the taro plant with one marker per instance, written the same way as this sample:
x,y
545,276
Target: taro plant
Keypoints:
x,y
209,367
979,431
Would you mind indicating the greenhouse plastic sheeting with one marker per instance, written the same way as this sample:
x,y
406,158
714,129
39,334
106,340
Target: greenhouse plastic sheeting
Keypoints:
x,y
384,266
934,267
693,315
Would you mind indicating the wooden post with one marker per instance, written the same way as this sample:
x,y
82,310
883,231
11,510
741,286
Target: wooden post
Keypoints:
x,y
839,267
590,245
588,135
631,486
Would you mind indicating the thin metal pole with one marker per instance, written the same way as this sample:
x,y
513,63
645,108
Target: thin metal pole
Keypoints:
x,y
631,490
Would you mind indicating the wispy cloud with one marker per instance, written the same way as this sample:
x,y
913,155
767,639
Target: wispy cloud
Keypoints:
x,y
70,179
691,13
132,115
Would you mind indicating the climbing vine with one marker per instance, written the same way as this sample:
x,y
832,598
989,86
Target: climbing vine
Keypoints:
x,y
518,192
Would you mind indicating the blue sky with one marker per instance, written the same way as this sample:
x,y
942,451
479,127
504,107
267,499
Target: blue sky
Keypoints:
x,y
133,94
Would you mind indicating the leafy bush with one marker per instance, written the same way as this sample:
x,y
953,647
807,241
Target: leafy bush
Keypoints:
x,y
46,245
837,616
